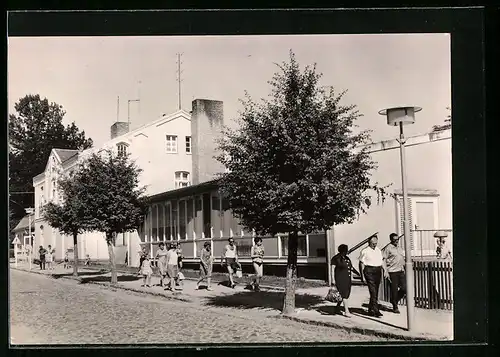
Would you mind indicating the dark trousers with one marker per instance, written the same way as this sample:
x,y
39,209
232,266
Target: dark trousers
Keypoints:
x,y
398,287
42,264
373,276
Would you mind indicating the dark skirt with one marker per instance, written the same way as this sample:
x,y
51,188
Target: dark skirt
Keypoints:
x,y
343,282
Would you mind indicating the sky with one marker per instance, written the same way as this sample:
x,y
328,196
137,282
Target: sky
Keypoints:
x,y
87,74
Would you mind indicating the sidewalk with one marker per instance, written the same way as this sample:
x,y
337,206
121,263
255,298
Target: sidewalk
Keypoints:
x,y
310,305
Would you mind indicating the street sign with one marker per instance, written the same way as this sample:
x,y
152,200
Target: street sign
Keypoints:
x,y
16,241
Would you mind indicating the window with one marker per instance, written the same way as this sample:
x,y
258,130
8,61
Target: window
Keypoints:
x,y
181,179
188,145
122,149
172,144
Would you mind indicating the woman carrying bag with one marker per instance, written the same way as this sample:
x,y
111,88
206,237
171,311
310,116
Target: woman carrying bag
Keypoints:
x,y
343,280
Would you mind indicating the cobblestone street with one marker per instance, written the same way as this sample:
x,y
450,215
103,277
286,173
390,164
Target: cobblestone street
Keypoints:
x,y
49,311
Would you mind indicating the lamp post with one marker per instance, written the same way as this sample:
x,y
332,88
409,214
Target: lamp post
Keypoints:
x,y
29,211
400,116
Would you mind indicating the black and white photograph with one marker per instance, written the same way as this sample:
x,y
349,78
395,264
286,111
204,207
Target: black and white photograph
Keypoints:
x,y
230,189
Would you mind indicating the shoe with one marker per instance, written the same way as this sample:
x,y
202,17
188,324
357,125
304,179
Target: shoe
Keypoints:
x,y
395,310
256,288
378,314
233,286
210,289
348,315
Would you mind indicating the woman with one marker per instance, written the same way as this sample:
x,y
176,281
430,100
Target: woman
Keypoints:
x,y
49,257
230,260
142,255
257,255
161,260
342,275
205,265
172,265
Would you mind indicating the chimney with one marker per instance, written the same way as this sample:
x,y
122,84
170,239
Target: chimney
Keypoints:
x,y
207,120
119,128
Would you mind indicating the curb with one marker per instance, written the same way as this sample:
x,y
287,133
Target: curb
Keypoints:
x,y
360,330
109,286
351,329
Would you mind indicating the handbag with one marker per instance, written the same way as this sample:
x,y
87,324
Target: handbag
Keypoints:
x,y
239,273
333,295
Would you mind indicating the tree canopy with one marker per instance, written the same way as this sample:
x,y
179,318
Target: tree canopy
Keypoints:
x,y
445,126
34,130
293,163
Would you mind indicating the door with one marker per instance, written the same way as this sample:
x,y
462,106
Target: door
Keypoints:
x,y
425,221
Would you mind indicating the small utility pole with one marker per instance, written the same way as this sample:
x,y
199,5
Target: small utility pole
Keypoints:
x,y
179,80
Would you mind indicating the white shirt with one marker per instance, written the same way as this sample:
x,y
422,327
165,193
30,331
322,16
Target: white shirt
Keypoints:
x,y
371,257
230,253
172,257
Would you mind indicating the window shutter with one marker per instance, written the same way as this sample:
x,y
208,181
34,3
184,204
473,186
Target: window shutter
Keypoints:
x,y
401,220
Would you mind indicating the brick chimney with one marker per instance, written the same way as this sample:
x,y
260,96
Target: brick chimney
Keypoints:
x,y
119,128
207,120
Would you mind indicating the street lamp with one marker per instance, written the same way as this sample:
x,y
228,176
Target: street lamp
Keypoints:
x,y
29,211
400,116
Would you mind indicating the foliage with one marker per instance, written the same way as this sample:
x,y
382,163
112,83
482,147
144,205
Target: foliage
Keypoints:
x,y
110,194
293,163
444,126
34,130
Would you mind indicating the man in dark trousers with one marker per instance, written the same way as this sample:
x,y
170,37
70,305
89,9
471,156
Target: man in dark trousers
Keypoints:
x,y
41,253
394,260
371,264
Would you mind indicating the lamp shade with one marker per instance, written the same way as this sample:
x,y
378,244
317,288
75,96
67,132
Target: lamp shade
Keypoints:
x,y
440,234
404,115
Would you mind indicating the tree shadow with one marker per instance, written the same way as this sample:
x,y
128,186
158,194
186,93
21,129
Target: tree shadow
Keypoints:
x,y
261,300
364,314
107,279
80,273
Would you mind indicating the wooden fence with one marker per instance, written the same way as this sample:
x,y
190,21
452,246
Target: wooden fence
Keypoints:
x,y
433,281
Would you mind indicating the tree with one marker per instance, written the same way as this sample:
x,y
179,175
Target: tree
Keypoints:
x,y
34,130
444,126
111,198
292,165
67,216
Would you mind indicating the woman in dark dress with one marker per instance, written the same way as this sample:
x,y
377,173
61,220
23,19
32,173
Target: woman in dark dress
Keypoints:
x,y
342,274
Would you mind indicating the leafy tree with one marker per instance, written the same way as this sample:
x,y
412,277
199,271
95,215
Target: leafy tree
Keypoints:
x,y
34,130
111,198
292,164
444,126
67,215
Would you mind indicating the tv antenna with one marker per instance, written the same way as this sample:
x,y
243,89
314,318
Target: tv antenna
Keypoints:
x,y
179,79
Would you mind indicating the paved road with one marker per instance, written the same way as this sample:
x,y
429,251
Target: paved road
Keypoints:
x,y
49,311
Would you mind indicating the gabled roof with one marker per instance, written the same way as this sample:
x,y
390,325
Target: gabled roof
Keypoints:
x,y
65,154
24,224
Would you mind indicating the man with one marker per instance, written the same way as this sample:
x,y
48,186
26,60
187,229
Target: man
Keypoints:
x,y
41,253
371,264
394,261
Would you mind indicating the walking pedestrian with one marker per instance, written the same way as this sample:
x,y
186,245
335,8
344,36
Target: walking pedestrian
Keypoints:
x,y
41,254
66,260
161,260
342,276
230,260
257,255
142,255
146,271
49,258
180,275
206,264
394,261
371,263
172,266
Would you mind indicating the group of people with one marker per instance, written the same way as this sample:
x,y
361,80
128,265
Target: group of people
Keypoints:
x,y
374,264
46,257
169,263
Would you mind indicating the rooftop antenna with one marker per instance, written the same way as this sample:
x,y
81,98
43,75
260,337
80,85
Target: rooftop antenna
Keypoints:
x,y
138,101
179,80
118,109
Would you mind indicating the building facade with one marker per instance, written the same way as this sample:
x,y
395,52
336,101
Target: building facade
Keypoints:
x,y
163,149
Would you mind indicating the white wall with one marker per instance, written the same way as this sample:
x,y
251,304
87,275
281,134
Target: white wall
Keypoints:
x,y
428,167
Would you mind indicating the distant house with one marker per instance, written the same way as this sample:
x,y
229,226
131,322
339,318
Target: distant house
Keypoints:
x,y
21,231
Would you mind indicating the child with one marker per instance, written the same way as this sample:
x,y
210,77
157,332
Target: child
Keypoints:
x,y
49,257
146,272
87,260
66,261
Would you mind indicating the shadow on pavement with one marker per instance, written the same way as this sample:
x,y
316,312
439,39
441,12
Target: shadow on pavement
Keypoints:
x,y
329,310
107,279
80,273
364,314
261,300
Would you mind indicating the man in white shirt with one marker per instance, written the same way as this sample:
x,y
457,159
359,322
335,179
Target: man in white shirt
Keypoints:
x,y
371,263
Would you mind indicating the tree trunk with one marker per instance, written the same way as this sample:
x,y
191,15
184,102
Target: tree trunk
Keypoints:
x,y
291,274
110,240
75,254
